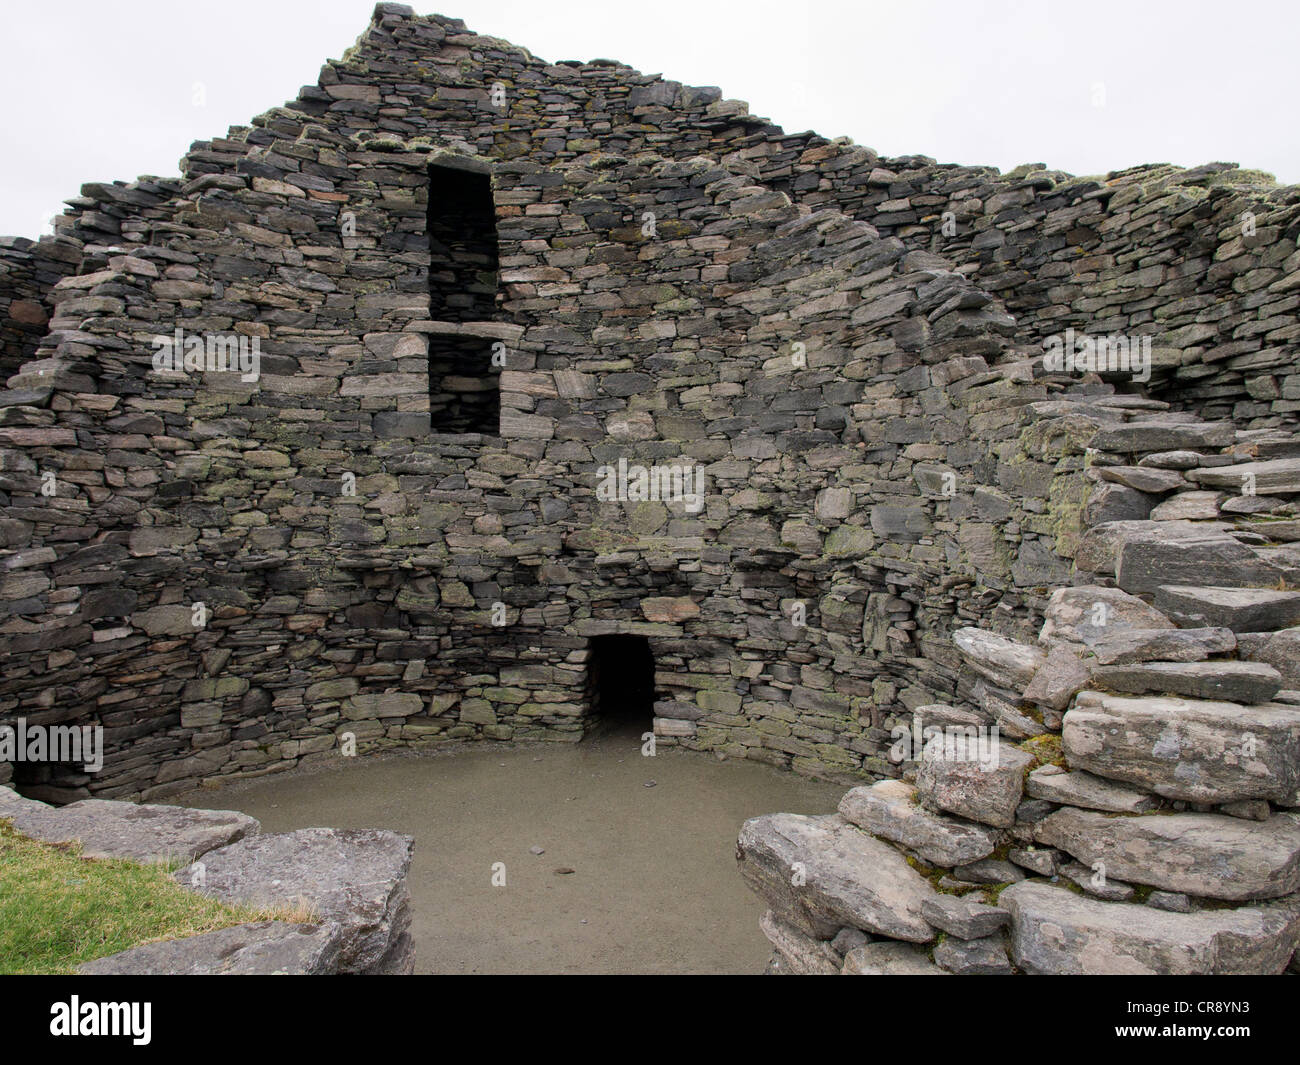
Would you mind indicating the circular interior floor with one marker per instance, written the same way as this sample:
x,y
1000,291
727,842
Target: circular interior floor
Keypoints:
x,y
653,886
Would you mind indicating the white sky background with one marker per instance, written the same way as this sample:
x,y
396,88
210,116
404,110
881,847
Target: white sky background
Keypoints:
x,y
98,90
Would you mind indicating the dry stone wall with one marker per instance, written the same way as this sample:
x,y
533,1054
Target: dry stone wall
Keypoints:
x,y
233,576
1115,793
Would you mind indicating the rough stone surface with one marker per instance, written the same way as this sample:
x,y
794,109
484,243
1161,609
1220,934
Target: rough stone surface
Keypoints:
x,y
354,878
987,794
264,948
1078,788
964,918
1238,609
1056,932
890,810
844,877
1243,682
1197,750
889,959
140,833
1203,854
1171,645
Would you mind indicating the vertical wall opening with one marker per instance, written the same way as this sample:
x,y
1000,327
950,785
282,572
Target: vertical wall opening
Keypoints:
x,y
463,268
621,682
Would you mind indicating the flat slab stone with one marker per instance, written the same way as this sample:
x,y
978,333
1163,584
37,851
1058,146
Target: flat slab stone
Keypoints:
x,y
1238,609
12,804
1088,613
1272,477
1006,662
889,959
275,948
973,957
1142,478
890,809
1077,788
1192,749
964,918
822,873
134,831
1144,565
800,954
985,792
355,878
1169,645
1209,855
1099,547
1057,932
1189,506
1242,682
1155,435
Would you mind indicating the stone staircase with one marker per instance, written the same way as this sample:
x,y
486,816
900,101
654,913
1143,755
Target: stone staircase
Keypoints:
x,y
1123,795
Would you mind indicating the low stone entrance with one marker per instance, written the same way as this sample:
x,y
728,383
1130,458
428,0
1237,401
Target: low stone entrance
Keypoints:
x,y
620,683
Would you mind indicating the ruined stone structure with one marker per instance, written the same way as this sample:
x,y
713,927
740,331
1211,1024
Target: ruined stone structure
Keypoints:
x,y
480,284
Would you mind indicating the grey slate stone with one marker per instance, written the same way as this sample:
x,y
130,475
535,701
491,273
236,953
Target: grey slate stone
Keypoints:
x,y
138,832
262,948
355,878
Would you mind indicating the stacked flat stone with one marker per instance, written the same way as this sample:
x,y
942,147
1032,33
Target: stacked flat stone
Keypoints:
x,y
1143,815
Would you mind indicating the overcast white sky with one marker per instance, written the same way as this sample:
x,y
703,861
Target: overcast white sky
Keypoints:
x,y
97,91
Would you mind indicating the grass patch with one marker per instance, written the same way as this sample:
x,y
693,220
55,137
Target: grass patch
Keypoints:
x,y
59,910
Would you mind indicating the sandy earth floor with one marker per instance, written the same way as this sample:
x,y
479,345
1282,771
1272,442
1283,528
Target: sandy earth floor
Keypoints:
x,y
653,886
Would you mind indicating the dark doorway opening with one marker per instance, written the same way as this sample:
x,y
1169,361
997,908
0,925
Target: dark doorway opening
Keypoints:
x,y
463,267
621,682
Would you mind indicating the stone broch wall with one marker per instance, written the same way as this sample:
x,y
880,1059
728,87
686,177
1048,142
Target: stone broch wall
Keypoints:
x,y
849,347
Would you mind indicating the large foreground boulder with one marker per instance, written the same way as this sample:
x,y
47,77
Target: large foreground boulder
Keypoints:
x,y
356,879
274,948
822,874
1056,932
137,832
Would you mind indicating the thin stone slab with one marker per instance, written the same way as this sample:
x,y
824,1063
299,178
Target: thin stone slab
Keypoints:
x,y
1238,609
822,873
1143,478
1007,663
966,918
1192,749
890,809
889,959
1057,932
1077,788
1273,477
1242,682
1151,435
1209,855
1144,565
1169,645
138,832
354,878
264,948
1086,614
